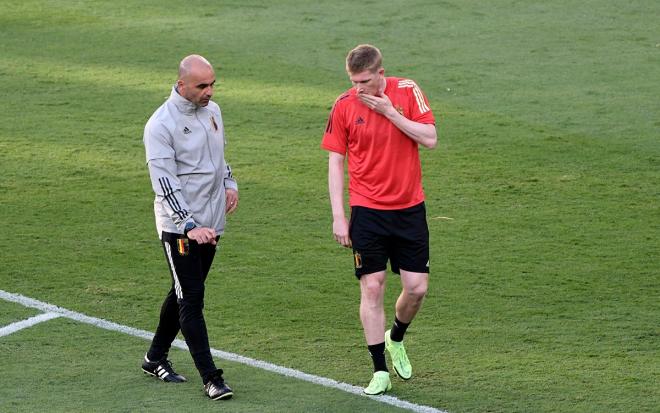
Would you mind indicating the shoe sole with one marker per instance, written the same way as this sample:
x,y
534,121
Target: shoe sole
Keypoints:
x,y
375,394
147,372
378,394
400,376
225,396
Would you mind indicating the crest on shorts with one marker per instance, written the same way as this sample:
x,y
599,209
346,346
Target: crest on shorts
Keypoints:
x,y
182,246
358,260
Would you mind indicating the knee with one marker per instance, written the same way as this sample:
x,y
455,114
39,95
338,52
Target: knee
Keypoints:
x,y
191,305
418,292
373,291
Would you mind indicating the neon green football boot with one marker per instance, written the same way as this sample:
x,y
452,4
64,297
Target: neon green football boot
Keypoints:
x,y
379,384
399,357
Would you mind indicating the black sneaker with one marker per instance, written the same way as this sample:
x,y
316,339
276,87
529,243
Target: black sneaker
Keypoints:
x,y
162,369
216,388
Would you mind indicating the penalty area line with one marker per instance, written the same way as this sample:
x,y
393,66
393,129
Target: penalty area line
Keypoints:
x,y
20,325
53,311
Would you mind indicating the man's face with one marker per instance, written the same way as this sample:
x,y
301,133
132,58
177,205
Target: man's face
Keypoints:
x,y
368,82
197,87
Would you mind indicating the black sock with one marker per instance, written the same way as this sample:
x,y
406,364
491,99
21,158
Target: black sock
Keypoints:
x,y
377,352
398,330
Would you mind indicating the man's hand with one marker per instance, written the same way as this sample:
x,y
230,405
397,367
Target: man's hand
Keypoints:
x,y
422,133
231,200
381,103
340,231
202,235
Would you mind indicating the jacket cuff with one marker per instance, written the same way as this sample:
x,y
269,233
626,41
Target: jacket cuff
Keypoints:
x,y
231,184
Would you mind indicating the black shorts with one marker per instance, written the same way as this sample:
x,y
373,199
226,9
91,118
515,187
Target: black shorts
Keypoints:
x,y
401,235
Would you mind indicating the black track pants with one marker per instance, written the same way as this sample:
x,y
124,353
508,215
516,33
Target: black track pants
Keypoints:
x,y
189,265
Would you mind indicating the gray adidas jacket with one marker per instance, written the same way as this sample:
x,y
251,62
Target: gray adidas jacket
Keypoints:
x,y
185,154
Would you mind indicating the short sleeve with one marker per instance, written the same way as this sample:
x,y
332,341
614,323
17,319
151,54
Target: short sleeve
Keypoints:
x,y
421,110
335,138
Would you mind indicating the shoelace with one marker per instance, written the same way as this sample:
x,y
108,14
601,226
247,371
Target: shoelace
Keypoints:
x,y
400,352
167,365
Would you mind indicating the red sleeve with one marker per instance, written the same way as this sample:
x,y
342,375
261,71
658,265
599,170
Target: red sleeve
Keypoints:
x,y
335,138
421,110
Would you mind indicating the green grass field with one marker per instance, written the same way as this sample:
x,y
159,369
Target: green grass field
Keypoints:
x,y
543,201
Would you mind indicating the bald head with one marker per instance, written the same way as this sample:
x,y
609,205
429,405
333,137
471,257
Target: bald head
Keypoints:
x,y
196,79
193,64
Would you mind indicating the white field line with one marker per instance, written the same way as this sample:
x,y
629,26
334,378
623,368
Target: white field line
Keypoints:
x,y
285,371
19,325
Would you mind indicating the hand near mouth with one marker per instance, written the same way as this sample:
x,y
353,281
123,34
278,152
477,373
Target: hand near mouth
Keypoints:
x,y
381,103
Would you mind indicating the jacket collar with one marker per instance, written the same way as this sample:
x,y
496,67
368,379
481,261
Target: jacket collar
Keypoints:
x,y
182,104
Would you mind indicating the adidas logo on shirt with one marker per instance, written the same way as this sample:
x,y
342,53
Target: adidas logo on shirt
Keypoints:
x,y
186,131
359,121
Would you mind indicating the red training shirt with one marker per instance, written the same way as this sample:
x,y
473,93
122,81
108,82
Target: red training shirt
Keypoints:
x,y
383,163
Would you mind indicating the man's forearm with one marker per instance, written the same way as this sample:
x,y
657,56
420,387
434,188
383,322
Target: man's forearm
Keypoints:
x,y
422,133
336,185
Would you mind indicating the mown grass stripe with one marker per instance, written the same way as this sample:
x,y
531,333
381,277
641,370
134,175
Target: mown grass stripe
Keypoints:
x,y
53,311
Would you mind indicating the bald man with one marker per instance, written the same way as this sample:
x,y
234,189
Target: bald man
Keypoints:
x,y
195,190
